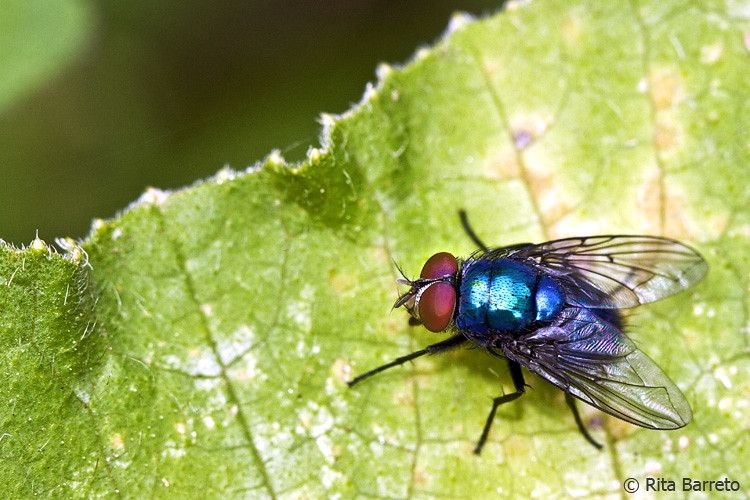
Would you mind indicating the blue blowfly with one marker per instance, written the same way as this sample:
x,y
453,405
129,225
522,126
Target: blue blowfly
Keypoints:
x,y
554,309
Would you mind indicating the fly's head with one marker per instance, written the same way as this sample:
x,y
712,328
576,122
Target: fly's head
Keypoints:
x,y
431,298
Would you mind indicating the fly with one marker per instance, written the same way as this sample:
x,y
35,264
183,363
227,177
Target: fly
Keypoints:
x,y
554,309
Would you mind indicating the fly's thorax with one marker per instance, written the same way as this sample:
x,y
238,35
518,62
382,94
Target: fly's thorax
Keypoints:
x,y
505,295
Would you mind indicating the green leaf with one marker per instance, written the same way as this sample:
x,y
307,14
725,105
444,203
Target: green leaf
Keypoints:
x,y
38,39
199,343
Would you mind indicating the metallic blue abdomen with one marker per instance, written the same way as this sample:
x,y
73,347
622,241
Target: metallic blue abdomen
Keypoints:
x,y
505,295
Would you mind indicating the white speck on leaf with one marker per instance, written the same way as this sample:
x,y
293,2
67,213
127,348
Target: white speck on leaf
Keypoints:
x,y
652,468
329,476
236,344
722,376
325,446
154,196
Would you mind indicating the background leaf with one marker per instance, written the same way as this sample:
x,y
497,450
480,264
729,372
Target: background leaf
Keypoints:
x,y
37,41
163,92
205,352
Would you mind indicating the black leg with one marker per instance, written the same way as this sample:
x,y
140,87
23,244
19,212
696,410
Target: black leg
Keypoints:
x,y
454,341
519,384
572,403
469,230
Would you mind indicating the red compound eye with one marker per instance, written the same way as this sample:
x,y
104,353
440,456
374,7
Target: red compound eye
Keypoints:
x,y
436,306
439,265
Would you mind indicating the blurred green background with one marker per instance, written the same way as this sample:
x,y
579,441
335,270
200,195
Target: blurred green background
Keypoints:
x,y
99,100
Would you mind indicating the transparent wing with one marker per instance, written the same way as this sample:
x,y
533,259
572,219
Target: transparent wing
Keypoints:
x,y
595,362
614,271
